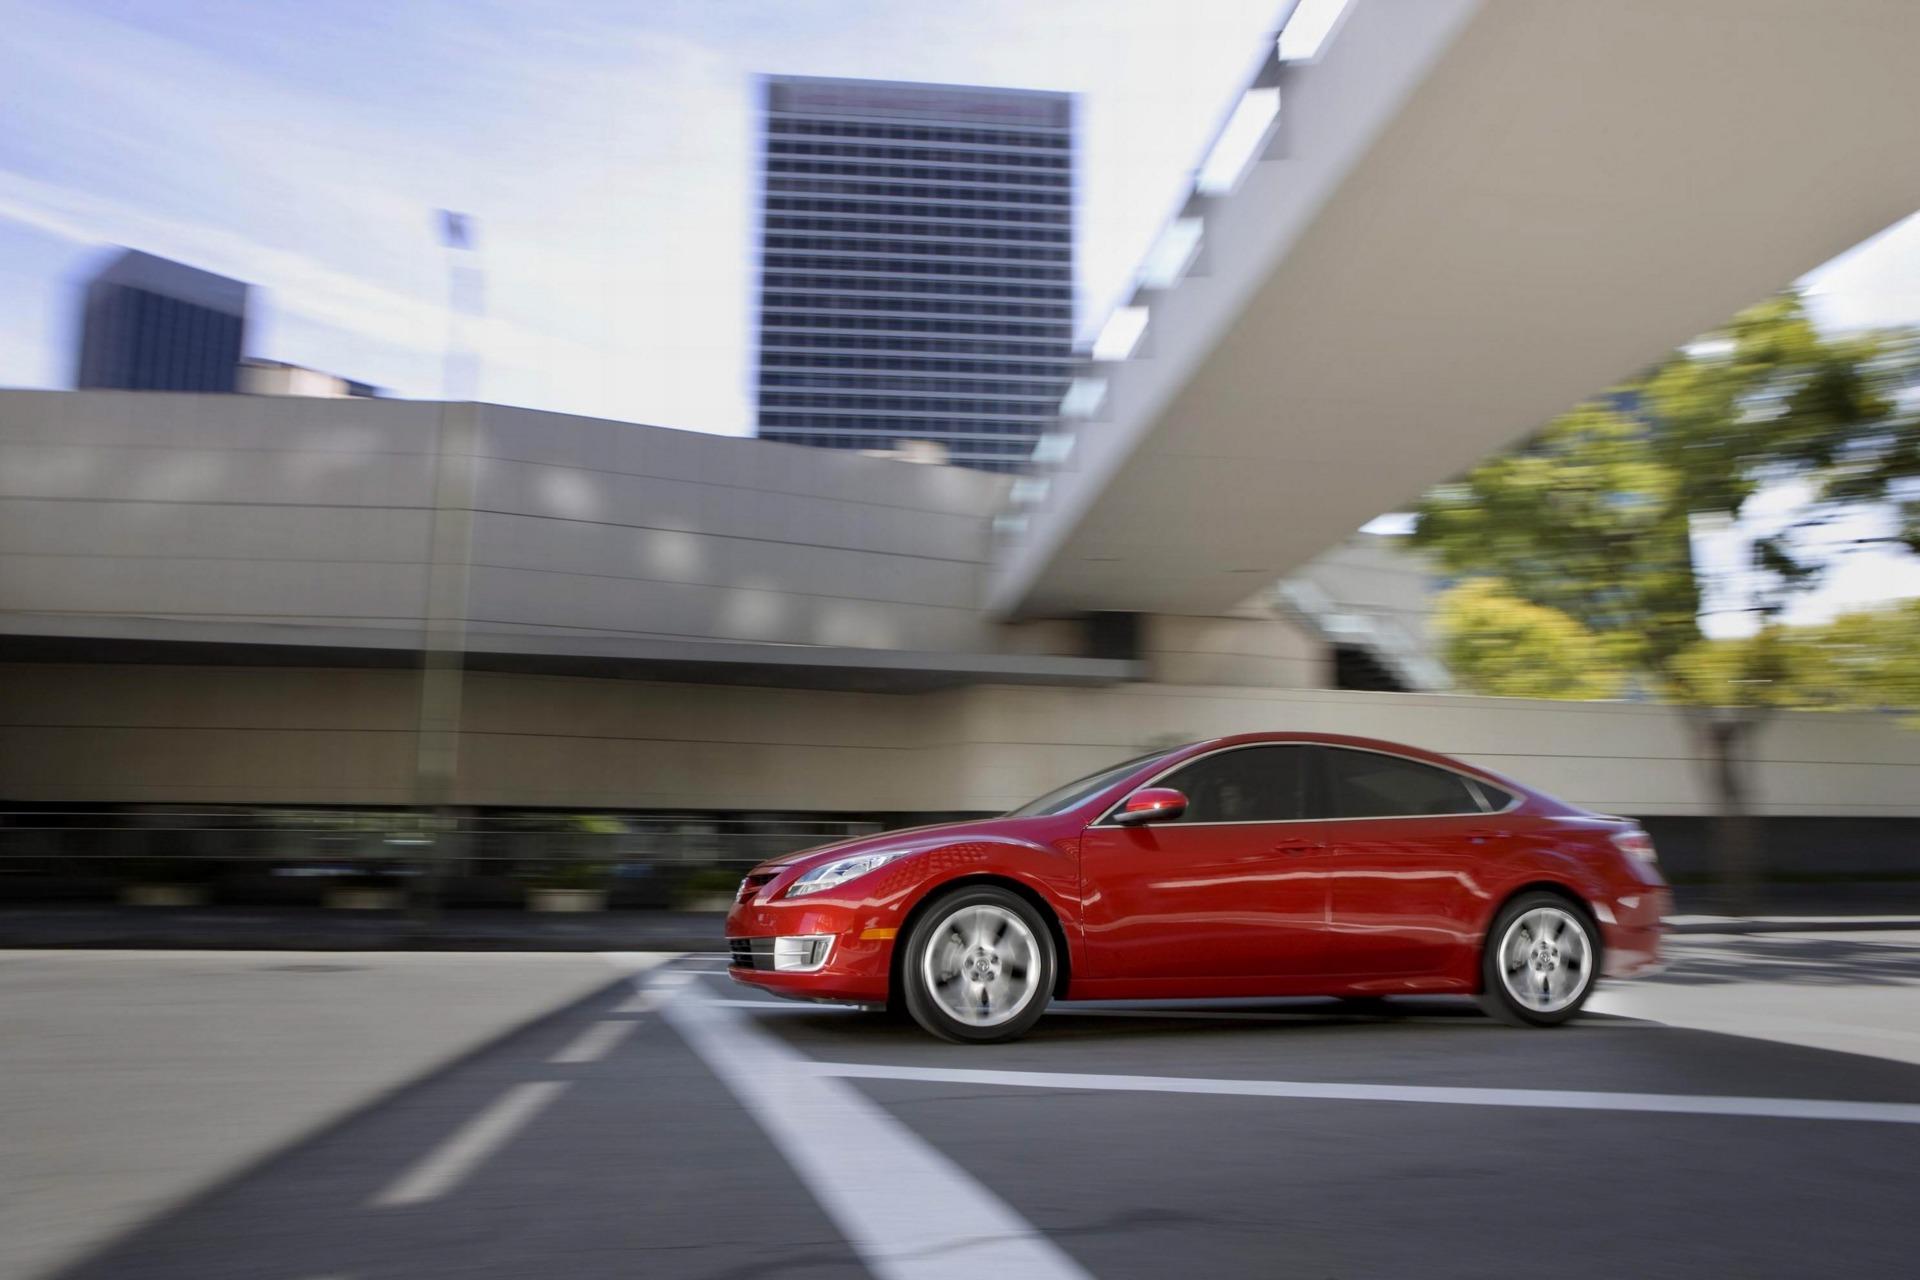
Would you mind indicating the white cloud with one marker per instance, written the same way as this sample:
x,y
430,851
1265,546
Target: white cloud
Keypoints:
x,y
299,283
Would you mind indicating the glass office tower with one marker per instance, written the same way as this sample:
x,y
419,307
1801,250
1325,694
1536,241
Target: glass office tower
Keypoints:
x,y
151,324
916,279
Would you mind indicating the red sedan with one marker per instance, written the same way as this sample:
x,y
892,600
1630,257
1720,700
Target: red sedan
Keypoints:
x,y
1272,864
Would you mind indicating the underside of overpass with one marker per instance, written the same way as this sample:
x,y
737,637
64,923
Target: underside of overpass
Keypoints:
x,y
1466,216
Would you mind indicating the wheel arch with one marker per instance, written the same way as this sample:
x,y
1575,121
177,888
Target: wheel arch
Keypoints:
x,y
1560,888
1063,956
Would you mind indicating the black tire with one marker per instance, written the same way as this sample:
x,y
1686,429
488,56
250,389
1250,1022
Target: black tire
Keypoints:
x,y
1027,959
1575,930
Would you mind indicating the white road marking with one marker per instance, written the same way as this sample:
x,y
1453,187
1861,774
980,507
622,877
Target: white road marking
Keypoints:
x,y
644,1000
907,1210
447,1165
595,1041
1557,1099
655,989
784,1006
638,962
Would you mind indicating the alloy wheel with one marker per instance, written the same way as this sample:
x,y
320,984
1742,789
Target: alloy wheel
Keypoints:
x,y
1546,959
982,965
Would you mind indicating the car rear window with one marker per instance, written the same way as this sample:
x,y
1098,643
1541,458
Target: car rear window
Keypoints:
x,y
1366,784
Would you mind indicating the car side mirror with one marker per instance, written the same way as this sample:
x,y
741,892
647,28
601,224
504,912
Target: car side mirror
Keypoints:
x,y
1151,804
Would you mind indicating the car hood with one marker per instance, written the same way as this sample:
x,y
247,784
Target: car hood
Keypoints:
x,y
905,840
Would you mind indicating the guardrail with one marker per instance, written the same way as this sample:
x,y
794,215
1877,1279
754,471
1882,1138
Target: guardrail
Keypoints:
x,y
288,856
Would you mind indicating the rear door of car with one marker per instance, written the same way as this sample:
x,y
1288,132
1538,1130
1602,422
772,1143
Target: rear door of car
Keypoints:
x,y
1235,888
1407,848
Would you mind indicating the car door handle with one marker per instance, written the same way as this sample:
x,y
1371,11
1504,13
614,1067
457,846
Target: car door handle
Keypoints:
x,y
1299,847
1479,835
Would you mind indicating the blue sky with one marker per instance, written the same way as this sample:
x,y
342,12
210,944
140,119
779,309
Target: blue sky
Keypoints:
x,y
605,148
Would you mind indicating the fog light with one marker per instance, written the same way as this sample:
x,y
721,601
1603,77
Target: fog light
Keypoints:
x,y
802,953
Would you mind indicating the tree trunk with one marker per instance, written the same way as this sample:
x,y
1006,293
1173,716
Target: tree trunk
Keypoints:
x,y
1725,734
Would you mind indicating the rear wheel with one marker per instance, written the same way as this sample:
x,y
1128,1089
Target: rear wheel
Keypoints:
x,y
979,966
1540,962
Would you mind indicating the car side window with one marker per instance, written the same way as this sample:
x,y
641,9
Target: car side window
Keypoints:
x,y
1248,784
1365,784
1497,799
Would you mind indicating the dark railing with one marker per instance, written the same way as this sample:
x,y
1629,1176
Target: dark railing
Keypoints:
x,y
241,854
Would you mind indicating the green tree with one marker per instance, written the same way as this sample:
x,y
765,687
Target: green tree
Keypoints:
x,y
1496,643
1594,520
1867,661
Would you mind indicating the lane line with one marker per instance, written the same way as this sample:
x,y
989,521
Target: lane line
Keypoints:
x,y
595,1041
784,1006
639,962
1556,1099
447,1165
644,1000
906,1209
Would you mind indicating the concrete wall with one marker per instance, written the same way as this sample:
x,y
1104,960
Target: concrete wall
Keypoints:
x,y
266,520
269,735
290,516
1252,650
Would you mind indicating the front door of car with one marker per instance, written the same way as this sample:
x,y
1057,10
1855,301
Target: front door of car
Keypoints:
x,y
1407,855
1236,887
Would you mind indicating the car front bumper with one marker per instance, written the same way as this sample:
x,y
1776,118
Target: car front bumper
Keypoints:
x,y
774,945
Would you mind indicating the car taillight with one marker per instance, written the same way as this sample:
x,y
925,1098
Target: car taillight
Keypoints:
x,y
1635,843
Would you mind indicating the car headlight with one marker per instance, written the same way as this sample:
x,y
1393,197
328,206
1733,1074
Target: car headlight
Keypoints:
x,y
839,871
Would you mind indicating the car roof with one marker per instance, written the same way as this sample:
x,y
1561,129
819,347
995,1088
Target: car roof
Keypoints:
x,y
1361,743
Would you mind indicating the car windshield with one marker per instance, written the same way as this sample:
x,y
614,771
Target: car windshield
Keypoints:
x,y
1060,799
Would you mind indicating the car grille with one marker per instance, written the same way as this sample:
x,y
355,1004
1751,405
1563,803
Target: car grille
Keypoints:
x,y
751,885
751,953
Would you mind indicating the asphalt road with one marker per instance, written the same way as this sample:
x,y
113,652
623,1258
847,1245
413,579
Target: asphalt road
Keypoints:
x,y
672,1124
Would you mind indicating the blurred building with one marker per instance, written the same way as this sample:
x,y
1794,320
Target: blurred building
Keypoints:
x,y
151,324
916,266
278,378
1370,600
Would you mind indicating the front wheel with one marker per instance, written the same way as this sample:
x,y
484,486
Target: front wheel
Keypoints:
x,y
1540,961
979,966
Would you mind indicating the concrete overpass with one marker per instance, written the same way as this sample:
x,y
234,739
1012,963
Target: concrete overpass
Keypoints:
x,y
1466,216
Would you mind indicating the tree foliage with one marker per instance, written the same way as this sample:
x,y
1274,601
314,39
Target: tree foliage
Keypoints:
x,y
1594,518
1867,661
1496,643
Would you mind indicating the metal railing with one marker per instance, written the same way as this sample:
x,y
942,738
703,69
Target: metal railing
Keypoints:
x,y
269,855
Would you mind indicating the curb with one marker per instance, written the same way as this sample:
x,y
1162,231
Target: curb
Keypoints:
x,y
1777,924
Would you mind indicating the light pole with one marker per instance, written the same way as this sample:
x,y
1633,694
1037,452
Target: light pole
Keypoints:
x,y
444,617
